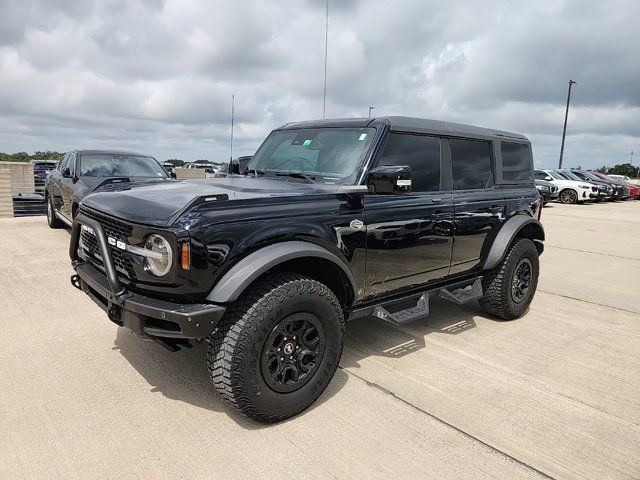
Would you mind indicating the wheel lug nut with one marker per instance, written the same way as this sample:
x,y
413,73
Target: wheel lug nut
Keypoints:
x,y
282,359
278,349
290,358
297,347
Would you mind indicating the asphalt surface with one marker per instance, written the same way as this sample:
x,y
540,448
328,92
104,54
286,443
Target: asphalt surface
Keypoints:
x,y
456,395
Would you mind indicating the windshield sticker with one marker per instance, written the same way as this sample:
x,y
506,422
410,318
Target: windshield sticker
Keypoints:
x,y
307,142
363,136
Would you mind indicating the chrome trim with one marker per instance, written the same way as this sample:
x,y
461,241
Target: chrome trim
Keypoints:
x,y
143,252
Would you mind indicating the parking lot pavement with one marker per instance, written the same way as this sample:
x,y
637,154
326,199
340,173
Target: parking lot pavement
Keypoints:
x,y
457,395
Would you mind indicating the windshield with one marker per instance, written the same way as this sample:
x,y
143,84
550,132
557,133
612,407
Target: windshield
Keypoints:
x,y
118,165
556,175
329,155
571,176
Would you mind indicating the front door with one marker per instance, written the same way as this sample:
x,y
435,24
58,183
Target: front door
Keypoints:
x,y
409,237
66,187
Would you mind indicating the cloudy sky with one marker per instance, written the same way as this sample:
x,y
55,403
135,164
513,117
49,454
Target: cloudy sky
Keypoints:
x,y
157,76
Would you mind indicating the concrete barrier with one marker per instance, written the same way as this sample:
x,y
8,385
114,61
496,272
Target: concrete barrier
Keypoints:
x,y
6,197
185,173
22,180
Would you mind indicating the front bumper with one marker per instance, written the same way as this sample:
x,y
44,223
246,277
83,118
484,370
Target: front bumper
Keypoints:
x,y
145,316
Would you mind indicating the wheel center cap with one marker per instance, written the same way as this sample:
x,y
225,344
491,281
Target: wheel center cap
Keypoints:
x,y
288,348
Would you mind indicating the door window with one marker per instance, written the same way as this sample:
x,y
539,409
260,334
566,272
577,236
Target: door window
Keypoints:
x,y
471,162
421,153
516,161
72,164
63,163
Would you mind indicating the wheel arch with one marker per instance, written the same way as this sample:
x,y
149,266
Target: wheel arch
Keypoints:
x,y
519,226
300,257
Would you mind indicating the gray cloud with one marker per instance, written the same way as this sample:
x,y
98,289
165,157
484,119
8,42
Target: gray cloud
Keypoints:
x,y
158,76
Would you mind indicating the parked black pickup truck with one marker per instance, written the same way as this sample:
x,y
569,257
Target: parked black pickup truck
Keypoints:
x,y
333,220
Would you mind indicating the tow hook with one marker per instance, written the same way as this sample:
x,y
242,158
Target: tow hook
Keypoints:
x,y
75,281
115,315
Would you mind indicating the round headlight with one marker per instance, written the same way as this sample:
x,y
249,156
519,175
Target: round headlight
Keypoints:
x,y
160,263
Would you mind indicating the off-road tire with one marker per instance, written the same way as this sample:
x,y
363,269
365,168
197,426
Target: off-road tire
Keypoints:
x,y
52,220
497,285
236,346
568,196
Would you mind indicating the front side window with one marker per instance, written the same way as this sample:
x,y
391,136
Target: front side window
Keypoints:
x,y
471,164
63,163
328,155
516,161
421,153
120,165
72,164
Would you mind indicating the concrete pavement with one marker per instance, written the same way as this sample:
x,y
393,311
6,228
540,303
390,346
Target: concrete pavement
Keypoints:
x,y
457,395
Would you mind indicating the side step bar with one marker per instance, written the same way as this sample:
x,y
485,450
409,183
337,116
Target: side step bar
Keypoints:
x,y
421,310
460,293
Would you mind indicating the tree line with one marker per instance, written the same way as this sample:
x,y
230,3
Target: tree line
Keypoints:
x,y
627,169
57,156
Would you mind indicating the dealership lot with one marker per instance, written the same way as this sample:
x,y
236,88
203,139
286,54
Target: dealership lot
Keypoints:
x,y
553,394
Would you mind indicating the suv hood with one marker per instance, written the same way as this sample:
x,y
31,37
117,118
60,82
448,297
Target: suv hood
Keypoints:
x,y
160,204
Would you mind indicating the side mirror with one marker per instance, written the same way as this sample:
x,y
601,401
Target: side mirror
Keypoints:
x,y
548,178
66,172
173,175
390,179
234,166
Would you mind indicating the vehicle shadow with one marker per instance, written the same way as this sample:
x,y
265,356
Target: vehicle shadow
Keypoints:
x,y
183,375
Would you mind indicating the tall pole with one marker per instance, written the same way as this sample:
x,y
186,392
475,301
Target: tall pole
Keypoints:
x,y
326,48
566,115
371,108
233,101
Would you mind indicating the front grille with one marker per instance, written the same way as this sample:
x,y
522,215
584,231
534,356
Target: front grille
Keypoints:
x,y
112,228
594,189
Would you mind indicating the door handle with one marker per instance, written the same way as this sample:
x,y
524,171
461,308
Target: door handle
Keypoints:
x,y
436,200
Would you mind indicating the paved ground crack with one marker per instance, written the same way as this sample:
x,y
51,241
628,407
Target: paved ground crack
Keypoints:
x,y
633,312
444,422
593,253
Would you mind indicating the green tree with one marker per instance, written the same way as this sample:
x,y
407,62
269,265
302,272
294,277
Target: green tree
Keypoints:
x,y
624,169
176,162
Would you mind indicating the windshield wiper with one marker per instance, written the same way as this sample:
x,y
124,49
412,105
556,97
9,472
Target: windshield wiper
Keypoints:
x,y
301,175
255,172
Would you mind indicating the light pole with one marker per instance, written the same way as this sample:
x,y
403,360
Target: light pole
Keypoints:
x,y
326,48
371,108
566,115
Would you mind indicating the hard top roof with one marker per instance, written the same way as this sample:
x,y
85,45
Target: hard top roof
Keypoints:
x,y
409,124
109,152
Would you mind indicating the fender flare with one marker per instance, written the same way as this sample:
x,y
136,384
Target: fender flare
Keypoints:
x,y
505,237
243,273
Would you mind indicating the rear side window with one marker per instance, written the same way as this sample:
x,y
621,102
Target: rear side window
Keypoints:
x,y
516,161
471,164
421,153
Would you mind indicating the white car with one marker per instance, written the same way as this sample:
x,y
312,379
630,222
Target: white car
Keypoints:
x,y
570,191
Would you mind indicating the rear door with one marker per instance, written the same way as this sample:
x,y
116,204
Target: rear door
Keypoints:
x,y
409,237
479,206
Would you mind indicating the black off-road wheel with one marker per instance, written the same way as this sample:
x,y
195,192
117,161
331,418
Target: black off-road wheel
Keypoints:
x,y
510,287
568,196
277,347
52,220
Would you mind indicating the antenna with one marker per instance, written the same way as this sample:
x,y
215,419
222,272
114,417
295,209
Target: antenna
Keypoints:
x,y
326,47
233,101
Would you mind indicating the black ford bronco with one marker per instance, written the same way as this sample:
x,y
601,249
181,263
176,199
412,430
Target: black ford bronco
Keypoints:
x,y
331,220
